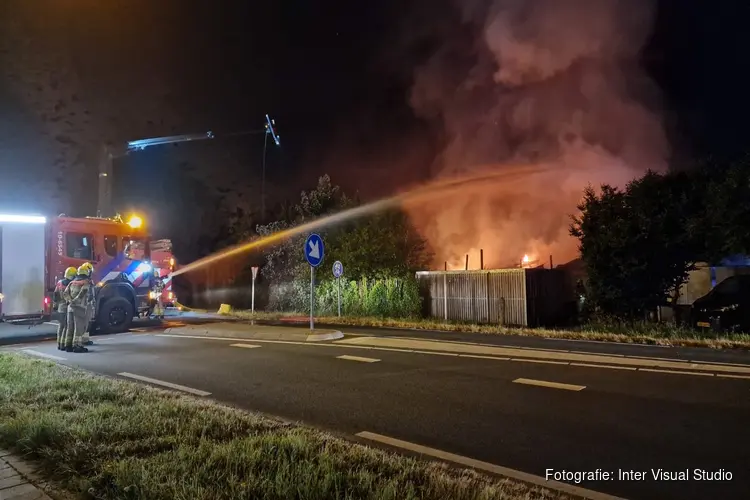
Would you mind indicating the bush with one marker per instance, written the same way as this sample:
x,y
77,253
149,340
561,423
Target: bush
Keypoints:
x,y
389,297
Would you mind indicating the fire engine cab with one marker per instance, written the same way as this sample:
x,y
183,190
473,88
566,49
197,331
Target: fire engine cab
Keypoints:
x,y
35,251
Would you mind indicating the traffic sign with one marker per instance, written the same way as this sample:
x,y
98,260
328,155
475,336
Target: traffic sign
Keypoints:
x,y
314,250
338,269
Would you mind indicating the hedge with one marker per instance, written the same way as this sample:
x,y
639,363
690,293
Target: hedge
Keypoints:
x,y
389,297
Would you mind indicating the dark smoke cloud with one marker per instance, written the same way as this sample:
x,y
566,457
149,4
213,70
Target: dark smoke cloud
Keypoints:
x,y
549,82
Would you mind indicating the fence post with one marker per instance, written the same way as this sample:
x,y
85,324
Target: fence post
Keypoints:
x,y
445,295
487,295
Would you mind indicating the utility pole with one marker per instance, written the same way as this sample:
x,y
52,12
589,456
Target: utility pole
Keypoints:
x,y
269,131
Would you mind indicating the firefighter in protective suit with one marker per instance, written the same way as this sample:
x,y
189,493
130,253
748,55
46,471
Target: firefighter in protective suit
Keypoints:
x,y
86,340
78,295
158,290
60,306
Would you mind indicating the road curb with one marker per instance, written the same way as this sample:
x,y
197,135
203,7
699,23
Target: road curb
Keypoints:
x,y
320,337
325,335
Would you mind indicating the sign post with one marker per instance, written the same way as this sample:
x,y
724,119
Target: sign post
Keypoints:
x,y
338,270
314,252
255,275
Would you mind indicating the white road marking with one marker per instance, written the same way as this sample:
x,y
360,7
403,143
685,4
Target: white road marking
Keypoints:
x,y
154,381
654,370
245,346
541,361
358,358
733,376
592,365
54,323
553,385
487,467
42,355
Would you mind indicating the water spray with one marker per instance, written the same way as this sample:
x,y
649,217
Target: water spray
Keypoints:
x,y
420,194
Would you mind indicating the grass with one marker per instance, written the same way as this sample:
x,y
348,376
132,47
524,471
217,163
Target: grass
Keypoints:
x,y
102,438
606,331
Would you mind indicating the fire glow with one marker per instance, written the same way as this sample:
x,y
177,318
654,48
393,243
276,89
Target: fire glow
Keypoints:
x,y
536,86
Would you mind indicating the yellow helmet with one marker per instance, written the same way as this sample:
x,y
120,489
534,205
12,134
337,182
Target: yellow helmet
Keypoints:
x,y
85,269
70,273
89,266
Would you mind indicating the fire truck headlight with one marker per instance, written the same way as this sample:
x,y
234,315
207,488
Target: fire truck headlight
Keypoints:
x,y
151,295
171,295
135,222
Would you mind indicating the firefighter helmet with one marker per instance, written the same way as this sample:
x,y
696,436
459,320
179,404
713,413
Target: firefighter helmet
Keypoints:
x,y
89,266
70,273
85,269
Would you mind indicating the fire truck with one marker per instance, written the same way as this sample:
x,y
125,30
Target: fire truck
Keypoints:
x,y
164,264
35,251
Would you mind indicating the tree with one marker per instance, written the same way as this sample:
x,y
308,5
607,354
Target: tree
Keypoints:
x,y
378,246
636,243
284,261
725,224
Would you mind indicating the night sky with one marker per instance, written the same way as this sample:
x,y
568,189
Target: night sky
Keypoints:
x,y
335,75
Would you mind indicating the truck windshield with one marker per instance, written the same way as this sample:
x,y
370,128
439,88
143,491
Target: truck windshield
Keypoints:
x,y
136,248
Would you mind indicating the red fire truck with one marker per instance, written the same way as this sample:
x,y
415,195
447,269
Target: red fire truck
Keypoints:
x,y
35,251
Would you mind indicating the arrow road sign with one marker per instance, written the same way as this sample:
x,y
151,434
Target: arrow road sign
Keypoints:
x,y
314,250
338,269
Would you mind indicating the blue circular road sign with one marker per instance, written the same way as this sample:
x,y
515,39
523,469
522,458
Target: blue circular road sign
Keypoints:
x,y
338,269
314,250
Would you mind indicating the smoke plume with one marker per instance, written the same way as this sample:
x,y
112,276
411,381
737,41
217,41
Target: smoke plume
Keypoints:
x,y
554,83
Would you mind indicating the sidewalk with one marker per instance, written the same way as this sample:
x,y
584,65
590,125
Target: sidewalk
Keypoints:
x,y
15,480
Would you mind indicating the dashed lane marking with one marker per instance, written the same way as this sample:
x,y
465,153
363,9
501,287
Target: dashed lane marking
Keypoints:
x,y
162,383
43,355
487,467
552,385
358,358
245,346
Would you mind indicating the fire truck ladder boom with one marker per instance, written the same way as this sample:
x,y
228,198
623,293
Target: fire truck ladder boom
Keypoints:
x,y
105,168
142,144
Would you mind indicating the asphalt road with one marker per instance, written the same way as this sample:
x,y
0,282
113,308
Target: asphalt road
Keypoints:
x,y
615,420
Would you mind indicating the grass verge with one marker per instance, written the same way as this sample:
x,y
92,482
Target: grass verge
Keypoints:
x,y
636,333
104,438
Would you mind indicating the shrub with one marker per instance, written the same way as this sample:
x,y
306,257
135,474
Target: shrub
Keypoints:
x,y
388,297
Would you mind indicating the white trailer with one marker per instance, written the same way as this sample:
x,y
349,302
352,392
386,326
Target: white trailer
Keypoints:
x,y
22,267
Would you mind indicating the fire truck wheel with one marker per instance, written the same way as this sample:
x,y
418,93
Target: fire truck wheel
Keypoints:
x,y
116,315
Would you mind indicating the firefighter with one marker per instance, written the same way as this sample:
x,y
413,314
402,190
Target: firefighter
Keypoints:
x,y
90,310
78,296
60,306
159,291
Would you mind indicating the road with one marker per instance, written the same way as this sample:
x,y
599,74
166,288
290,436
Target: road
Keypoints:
x,y
528,408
